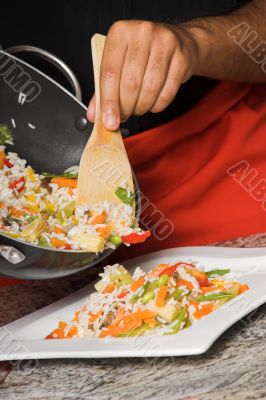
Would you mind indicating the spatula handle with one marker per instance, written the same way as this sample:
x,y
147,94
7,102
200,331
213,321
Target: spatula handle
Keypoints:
x,y
97,46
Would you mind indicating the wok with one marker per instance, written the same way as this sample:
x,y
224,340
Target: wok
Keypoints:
x,y
60,134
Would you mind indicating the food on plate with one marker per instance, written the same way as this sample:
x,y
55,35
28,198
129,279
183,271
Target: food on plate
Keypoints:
x,y
41,208
165,300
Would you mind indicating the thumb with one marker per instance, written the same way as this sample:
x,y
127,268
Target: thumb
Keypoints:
x,y
91,109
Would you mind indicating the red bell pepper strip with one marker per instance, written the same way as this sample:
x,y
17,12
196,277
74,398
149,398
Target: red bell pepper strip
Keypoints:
x,y
168,271
134,238
18,184
8,163
122,295
201,277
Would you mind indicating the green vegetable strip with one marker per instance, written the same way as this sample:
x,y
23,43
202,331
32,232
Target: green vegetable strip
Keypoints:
x,y
178,294
136,296
135,332
70,175
122,194
219,272
216,296
5,134
179,319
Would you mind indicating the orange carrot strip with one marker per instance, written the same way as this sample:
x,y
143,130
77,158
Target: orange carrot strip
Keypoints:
x,y
137,284
62,325
127,323
56,334
15,212
161,296
100,219
57,229
95,316
157,270
104,231
243,288
151,322
2,159
58,242
205,310
65,182
72,332
182,282
109,288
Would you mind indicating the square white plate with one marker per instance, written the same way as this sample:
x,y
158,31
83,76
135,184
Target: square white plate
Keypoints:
x,y
24,338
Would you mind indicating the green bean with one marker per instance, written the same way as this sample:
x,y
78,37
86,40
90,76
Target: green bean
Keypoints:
x,y
147,297
162,280
219,272
116,240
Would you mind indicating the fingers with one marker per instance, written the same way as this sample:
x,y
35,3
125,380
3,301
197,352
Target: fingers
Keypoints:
x,y
171,85
142,68
134,67
161,53
111,69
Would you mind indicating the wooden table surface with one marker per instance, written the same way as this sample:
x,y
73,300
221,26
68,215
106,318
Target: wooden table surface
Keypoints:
x,y
234,368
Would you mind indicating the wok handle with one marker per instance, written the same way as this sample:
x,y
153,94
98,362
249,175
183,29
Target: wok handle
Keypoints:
x,y
57,62
11,254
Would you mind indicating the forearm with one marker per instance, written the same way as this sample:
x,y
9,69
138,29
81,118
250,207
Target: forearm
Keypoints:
x,y
231,47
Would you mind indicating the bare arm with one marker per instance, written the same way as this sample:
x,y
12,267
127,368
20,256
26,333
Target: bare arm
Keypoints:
x,y
145,63
232,47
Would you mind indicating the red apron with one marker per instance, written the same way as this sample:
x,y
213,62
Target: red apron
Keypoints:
x,y
201,175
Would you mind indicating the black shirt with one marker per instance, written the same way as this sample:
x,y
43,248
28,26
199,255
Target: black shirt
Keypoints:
x,y
65,27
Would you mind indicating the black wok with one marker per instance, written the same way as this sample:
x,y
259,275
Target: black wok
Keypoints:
x,y
61,133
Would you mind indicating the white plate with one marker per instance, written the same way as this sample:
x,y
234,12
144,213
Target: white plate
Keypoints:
x,y
24,338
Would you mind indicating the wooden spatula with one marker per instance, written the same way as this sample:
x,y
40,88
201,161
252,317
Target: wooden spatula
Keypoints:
x,y
104,163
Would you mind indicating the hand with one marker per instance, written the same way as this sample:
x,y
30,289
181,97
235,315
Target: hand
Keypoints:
x,y
143,66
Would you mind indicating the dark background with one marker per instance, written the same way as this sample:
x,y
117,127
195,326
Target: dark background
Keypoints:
x,y
65,28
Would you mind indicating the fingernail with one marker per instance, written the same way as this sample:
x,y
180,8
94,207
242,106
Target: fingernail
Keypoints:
x,y
110,120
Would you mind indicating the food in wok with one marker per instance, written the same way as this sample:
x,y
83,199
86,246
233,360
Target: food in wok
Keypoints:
x,y
41,208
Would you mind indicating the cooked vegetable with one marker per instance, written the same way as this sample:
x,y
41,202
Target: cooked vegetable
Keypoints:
x,y
134,238
183,282
147,297
178,322
219,272
120,277
70,175
65,182
178,294
162,280
116,240
2,159
99,219
66,212
135,332
94,244
125,196
43,242
124,307
161,296
167,312
137,284
216,296
5,134
32,231
201,276
17,184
